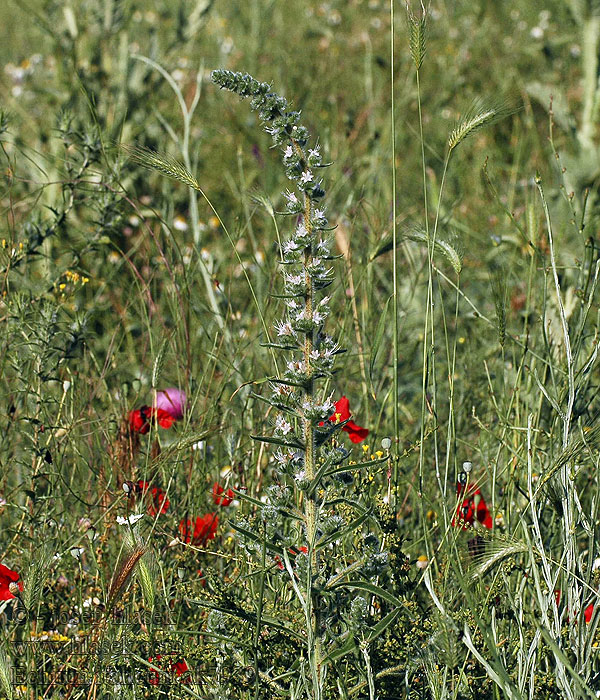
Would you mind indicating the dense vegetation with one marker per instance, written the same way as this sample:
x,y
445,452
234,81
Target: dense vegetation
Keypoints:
x,y
299,394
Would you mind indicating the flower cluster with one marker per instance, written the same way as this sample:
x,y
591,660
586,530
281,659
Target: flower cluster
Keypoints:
x,y
306,421
305,255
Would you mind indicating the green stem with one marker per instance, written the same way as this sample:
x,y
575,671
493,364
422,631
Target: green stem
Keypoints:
x,y
396,445
310,509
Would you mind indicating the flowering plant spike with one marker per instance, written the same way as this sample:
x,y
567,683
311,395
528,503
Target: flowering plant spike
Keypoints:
x,y
307,421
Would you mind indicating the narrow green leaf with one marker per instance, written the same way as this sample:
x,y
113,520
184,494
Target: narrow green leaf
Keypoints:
x,y
381,324
370,588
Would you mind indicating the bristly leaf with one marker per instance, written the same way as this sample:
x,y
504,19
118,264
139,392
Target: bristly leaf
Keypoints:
x,y
481,113
417,29
162,163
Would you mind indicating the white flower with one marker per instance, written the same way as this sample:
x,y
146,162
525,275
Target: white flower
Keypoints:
x,y
282,425
180,223
294,279
289,152
131,520
306,176
537,33
314,153
284,328
301,231
291,197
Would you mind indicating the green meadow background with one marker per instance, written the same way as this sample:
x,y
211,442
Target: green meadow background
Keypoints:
x,y
116,281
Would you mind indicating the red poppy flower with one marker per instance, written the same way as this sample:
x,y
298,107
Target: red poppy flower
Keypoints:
x,y
220,500
159,503
7,576
205,528
294,551
342,413
472,507
587,613
178,667
140,419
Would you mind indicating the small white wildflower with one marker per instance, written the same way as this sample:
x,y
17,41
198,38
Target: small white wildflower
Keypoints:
x,y
301,231
76,552
131,520
282,425
289,152
180,224
281,458
314,153
306,176
537,33
284,328
294,279
291,197
290,247
300,476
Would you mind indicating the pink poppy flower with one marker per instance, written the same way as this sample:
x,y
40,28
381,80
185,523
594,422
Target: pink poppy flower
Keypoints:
x,y
173,401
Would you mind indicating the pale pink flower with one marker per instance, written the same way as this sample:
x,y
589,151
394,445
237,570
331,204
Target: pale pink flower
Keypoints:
x,y
172,400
